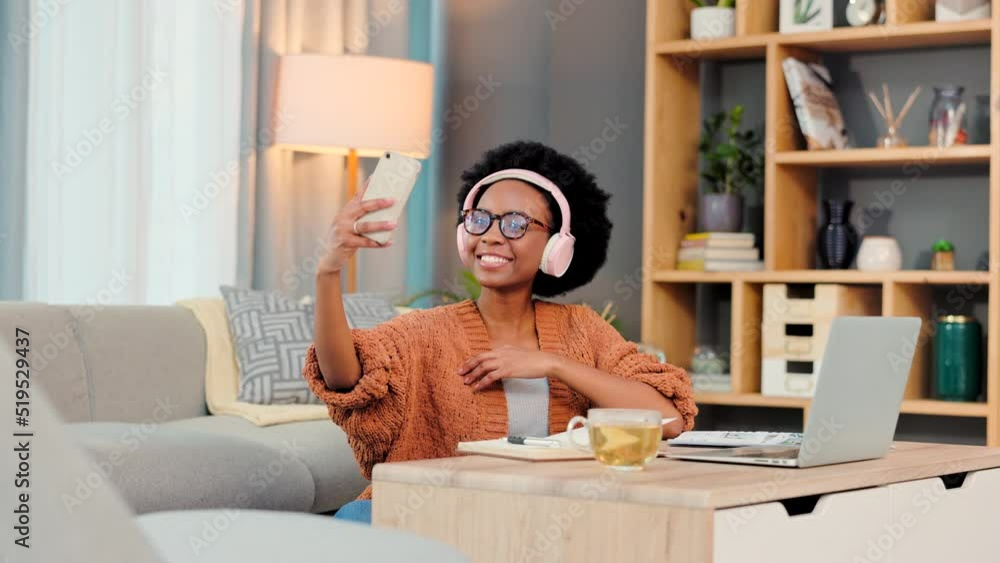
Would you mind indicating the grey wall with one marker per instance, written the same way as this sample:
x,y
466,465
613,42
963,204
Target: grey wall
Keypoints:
x,y
559,80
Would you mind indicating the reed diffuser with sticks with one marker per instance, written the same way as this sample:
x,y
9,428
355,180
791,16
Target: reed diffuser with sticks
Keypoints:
x,y
892,138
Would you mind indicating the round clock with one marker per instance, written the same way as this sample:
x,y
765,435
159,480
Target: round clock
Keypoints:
x,y
864,12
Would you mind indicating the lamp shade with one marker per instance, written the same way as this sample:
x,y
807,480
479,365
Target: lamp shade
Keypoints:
x,y
333,103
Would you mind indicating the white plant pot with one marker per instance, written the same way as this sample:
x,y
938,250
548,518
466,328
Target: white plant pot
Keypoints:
x,y
712,22
880,254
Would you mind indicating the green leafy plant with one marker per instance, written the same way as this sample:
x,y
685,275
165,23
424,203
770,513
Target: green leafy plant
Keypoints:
x,y
470,290
804,11
719,4
734,161
943,246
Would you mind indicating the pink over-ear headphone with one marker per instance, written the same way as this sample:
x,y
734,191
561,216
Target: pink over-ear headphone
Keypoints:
x,y
559,250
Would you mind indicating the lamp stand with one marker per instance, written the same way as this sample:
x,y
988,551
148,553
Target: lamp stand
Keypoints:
x,y
352,188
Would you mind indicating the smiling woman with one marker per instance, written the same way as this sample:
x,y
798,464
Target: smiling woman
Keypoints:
x,y
532,222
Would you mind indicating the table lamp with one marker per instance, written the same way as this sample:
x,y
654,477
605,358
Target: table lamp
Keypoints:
x,y
354,105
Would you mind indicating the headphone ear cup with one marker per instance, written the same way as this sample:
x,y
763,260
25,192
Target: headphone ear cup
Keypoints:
x,y
460,237
558,255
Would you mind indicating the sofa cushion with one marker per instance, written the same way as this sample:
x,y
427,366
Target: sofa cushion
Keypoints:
x,y
55,359
146,363
168,467
321,445
250,536
272,334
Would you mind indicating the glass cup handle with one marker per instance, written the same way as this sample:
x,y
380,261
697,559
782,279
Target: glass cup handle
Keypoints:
x,y
569,432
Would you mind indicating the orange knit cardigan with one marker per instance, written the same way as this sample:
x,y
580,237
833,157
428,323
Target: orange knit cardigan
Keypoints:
x,y
410,404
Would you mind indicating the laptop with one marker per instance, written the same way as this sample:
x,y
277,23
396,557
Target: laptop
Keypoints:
x,y
856,403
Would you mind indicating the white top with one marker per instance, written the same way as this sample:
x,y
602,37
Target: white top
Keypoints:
x,y
527,406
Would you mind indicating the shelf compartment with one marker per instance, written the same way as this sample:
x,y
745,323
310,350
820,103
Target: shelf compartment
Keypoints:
x,y
841,39
873,157
883,37
931,277
909,406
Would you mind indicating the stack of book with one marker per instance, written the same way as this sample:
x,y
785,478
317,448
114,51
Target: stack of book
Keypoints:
x,y
719,252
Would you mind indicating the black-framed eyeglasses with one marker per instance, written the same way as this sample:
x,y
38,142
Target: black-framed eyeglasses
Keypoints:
x,y
513,225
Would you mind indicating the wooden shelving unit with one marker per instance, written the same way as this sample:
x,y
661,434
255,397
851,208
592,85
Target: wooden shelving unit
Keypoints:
x,y
673,121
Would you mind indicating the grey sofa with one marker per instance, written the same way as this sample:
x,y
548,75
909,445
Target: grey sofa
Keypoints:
x,y
130,383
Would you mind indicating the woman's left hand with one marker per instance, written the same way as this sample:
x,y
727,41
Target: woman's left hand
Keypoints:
x,y
507,362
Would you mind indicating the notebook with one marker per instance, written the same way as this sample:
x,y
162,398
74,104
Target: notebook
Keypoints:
x,y
499,447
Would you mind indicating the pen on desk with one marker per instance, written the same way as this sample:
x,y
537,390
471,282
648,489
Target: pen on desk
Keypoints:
x,y
522,441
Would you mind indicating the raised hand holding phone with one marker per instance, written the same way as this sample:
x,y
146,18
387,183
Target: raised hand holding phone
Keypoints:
x,y
347,232
393,178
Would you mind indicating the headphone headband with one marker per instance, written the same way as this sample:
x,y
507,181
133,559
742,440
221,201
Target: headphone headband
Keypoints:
x,y
530,177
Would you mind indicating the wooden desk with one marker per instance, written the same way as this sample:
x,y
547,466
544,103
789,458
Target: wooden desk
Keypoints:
x,y
895,509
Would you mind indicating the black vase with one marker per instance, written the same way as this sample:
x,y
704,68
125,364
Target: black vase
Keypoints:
x,y
838,241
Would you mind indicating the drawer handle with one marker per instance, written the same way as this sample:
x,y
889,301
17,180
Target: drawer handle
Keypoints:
x,y
800,505
954,480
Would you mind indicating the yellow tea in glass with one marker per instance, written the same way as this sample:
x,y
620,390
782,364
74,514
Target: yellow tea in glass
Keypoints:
x,y
623,439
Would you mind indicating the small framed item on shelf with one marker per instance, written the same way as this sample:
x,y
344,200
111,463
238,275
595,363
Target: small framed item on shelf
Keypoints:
x,y
961,10
816,108
865,12
796,16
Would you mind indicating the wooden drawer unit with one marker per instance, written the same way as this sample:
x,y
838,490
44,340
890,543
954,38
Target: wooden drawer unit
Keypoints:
x,y
932,521
767,532
813,303
795,341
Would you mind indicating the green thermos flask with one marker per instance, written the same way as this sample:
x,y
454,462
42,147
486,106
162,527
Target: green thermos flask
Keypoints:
x,y
957,358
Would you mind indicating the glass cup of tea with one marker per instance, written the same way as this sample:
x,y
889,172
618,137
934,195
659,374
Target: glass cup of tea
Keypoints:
x,y
621,439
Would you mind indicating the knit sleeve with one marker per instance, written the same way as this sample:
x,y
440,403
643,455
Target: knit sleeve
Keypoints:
x,y
620,357
373,411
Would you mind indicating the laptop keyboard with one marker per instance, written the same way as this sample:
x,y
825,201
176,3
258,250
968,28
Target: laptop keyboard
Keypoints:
x,y
784,453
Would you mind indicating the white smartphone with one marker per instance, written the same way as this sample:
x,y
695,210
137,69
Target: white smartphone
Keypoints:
x,y
394,177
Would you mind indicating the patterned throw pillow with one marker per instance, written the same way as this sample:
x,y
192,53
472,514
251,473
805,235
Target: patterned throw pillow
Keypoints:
x,y
272,333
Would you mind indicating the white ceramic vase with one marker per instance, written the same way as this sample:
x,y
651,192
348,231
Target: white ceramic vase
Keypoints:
x,y
880,254
712,22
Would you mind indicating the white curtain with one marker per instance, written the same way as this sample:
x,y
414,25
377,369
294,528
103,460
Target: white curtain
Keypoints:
x,y
290,198
133,157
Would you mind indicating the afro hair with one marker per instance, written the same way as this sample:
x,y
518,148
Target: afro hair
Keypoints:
x,y
588,204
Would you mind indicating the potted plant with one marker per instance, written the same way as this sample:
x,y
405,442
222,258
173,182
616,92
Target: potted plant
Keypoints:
x,y
713,22
943,257
733,164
